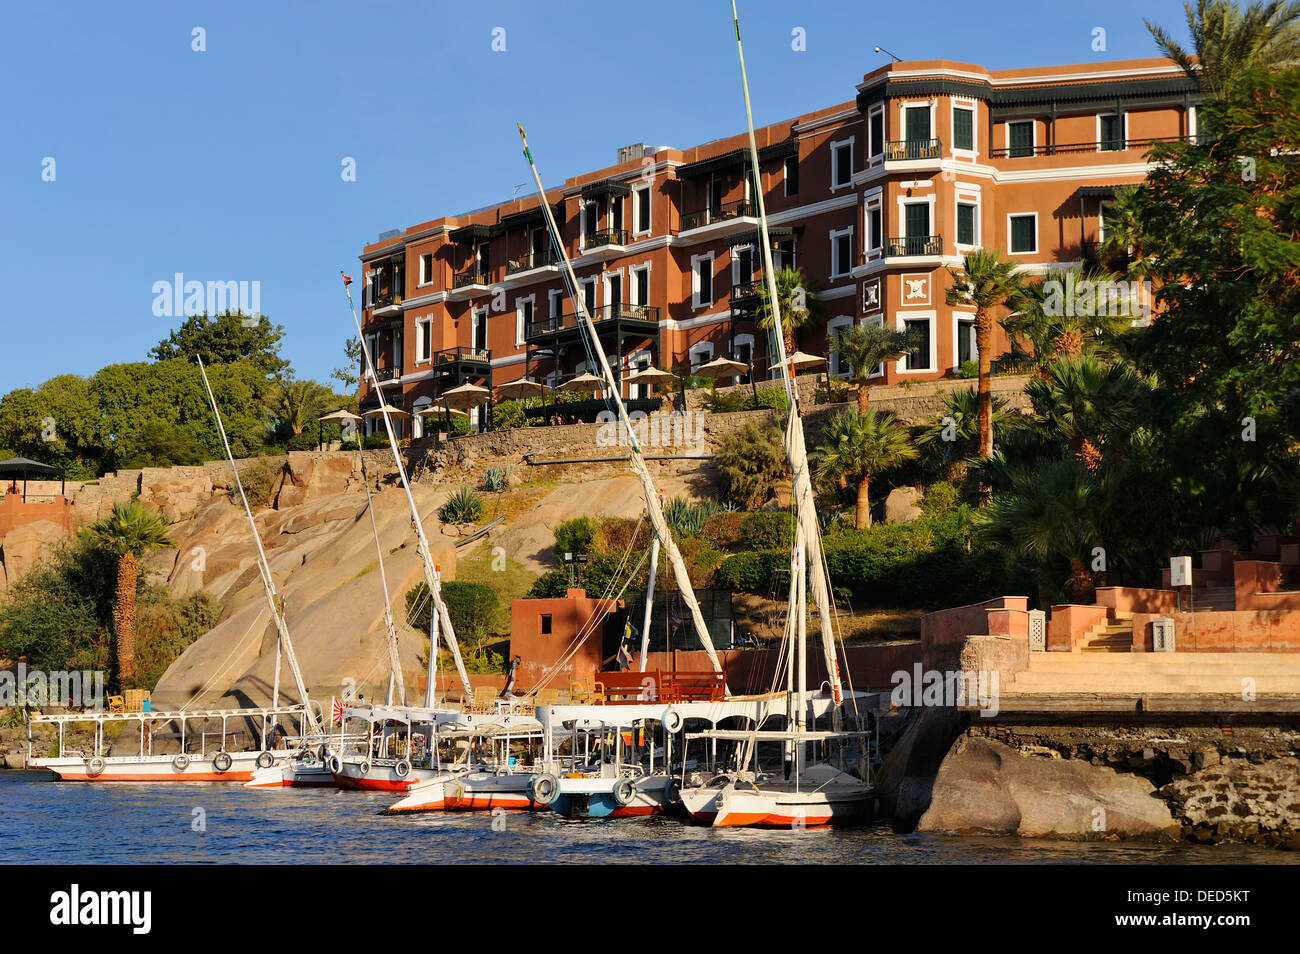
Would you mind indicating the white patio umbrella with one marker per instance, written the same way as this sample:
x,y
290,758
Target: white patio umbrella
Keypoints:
x,y
722,368
522,388
801,361
465,396
583,382
340,416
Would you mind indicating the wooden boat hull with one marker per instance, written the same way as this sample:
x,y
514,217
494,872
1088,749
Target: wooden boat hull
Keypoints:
x,y
778,806
475,792
594,798
157,768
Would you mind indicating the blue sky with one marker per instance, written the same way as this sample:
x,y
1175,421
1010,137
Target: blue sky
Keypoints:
x,y
225,164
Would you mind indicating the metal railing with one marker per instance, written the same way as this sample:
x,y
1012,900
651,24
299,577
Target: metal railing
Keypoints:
x,y
1102,145
717,213
470,276
626,312
384,299
452,355
594,239
749,291
913,149
388,374
914,245
530,261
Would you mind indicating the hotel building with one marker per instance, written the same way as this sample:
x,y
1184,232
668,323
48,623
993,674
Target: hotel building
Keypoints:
x,y
871,198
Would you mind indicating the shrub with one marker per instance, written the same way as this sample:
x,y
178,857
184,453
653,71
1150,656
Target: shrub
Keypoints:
x,y
752,572
722,402
470,606
939,498
303,442
463,506
686,518
376,441
166,627
617,534
769,398
969,369
261,480
550,585
459,426
496,478
768,530
722,530
349,446
574,536
751,461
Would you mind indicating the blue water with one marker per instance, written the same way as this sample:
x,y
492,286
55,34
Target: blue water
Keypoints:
x,y
42,821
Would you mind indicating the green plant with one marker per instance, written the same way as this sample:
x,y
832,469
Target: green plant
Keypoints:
x,y
470,606
939,498
349,446
768,398
752,461
865,347
767,530
722,530
261,481
855,447
969,369
552,584
496,478
688,518
722,402
463,506
376,441
574,536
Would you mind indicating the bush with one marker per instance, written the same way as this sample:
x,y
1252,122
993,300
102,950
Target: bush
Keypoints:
x,y
939,498
722,530
768,530
574,536
552,584
459,426
496,478
769,398
969,369
463,506
618,534
349,446
303,442
165,628
261,480
751,572
751,461
470,606
686,518
722,402
376,441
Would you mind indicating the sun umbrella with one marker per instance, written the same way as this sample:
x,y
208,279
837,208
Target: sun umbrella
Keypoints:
x,y
522,388
652,374
722,368
438,408
465,396
801,361
583,382
392,412
340,416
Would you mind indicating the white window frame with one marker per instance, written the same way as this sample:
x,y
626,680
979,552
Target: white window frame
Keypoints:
x,y
835,147
900,323
583,205
1111,112
604,286
955,104
424,340
833,327
965,194
836,235
785,174
486,312
1021,215
743,339
426,278
595,298
696,351
552,297
960,318
735,262
906,104
641,197
1101,218
520,324
629,364
696,300
904,201
876,149
876,318
1006,135
873,245
1192,119
633,272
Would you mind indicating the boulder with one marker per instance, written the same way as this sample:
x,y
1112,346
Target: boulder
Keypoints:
x,y
986,787
903,505
905,778
25,546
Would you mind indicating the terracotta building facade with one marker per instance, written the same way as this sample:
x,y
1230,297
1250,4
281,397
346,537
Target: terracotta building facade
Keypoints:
x,y
872,199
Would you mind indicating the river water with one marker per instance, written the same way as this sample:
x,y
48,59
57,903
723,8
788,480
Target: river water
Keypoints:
x,y
42,821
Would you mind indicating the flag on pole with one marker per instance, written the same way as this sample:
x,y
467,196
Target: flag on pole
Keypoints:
x,y
336,715
347,280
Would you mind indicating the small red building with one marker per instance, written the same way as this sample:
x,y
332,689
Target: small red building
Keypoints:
x,y
543,633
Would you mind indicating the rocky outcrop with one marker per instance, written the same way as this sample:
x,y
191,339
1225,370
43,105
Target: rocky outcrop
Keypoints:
x,y
986,787
905,779
23,547
1239,800
903,505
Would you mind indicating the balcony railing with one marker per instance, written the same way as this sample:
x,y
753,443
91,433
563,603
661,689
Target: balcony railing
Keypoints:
x,y
913,149
384,299
914,245
384,375
747,293
470,276
717,213
530,261
1103,145
624,312
604,237
452,355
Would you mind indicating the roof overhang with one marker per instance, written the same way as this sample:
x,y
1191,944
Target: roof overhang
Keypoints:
x,y
736,158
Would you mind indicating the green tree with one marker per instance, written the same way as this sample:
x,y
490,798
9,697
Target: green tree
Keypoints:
x,y
854,447
799,305
752,461
953,436
225,339
297,404
132,531
864,347
1083,403
349,374
1228,41
984,283
1070,313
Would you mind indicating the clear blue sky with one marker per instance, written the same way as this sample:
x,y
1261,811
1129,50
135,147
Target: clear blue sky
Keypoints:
x,y
225,164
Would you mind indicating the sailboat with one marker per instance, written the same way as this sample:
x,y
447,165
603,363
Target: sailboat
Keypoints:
x,y
249,740
809,792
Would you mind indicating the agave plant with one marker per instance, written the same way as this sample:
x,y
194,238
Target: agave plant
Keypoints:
x,y
496,478
463,506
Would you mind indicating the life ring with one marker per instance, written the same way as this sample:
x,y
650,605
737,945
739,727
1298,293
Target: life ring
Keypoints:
x,y
265,760
222,762
181,762
402,768
364,767
623,791
335,764
323,753
672,720
94,766
544,788
673,792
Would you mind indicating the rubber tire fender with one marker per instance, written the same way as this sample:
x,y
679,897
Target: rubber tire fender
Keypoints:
x,y
672,720
265,760
222,762
544,788
624,791
94,766
402,768
181,762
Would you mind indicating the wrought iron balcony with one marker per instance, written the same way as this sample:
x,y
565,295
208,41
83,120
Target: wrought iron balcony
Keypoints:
x,y
387,375
623,312
386,299
470,276
601,237
913,149
1103,145
457,354
530,261
717,213
914,245
747,294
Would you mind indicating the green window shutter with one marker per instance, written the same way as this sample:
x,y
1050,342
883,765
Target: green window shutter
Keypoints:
x,y
965,225
1021,138
963,129
1023,238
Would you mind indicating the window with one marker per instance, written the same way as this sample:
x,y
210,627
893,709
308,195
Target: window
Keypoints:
x,y
590,217
702,278
874,220
589,295
481,257
556,298
1022,232
783,255
917,124
916,229
699,354
1020,139
792,176
523,318
966,350
841,252
742,264
642,211
918,332
715,196
876,126
966,224
480,329
546,624
1110,132
834,328
426,268
963,128
423,339
641,285
841,163
744,353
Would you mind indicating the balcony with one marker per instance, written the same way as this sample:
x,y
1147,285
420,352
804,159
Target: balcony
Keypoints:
x,y
468,283
913,149
718,220
1063,148
911,246
604,243
747,295
639,317
388,375
386,304
461,355
532,262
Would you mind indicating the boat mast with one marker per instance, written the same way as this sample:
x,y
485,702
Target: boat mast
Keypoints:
x,y
268,583
432,577
796,448
611,386
394,658
649,600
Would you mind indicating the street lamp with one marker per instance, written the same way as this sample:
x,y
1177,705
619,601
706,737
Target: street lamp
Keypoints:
x,y
881,49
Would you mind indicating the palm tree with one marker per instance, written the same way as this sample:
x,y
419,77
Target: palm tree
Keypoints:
x,y
1085,403
1121,250
863,348
1051,329
985,282
1227,41
853,447
799,304
297,403
955,432
1050,514
132,531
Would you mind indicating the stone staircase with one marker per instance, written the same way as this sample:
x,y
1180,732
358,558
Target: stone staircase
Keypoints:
x,y
1114,636
1155,673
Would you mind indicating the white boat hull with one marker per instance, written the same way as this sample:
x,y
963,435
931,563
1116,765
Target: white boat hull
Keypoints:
x,y
779,804
477,791
154,768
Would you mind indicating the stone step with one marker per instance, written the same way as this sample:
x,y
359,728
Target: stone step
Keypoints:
x,y
1185,687
1175,663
